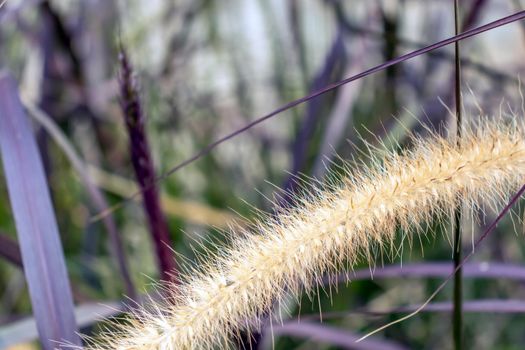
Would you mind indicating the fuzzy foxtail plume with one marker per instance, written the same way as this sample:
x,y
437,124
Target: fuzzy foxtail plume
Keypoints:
x,y
331,229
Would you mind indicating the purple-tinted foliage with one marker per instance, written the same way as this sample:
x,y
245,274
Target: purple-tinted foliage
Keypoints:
x,y
333,336
435,112
333,64
485,306
204,151
463,261
97,197
35,221
436,269
500,306
144,170
467,34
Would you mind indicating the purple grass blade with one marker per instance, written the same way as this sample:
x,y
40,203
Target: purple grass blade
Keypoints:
x,y
335,58
37,230
499,306
333,336
481,306
436,269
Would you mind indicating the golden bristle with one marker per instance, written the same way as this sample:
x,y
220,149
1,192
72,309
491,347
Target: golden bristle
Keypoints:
x,y
333,228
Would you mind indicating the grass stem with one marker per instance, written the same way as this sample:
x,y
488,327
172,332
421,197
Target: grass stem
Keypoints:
x,y
458,285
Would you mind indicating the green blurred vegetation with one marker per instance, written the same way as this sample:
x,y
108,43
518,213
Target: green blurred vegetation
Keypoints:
x,y
209,67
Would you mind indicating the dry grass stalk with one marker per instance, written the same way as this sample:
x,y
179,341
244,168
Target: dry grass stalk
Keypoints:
x,y
333,228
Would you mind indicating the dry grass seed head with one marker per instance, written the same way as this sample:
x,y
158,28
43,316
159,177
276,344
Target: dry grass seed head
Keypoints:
x,y
331,228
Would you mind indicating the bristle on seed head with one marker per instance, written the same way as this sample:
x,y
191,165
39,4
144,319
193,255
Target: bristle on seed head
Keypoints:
x,y
333,228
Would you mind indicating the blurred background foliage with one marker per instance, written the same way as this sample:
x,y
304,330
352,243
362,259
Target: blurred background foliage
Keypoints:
x,y
209,67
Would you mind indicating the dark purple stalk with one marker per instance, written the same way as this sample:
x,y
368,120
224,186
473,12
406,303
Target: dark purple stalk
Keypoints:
x,y
210,147
143,166
63,38
457,313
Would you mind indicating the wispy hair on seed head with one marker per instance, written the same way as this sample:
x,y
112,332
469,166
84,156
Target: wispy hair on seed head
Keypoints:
x,y
331,227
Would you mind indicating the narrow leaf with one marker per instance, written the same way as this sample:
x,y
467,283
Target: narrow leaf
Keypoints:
x,y
481,306
436,269
334,336
37,230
